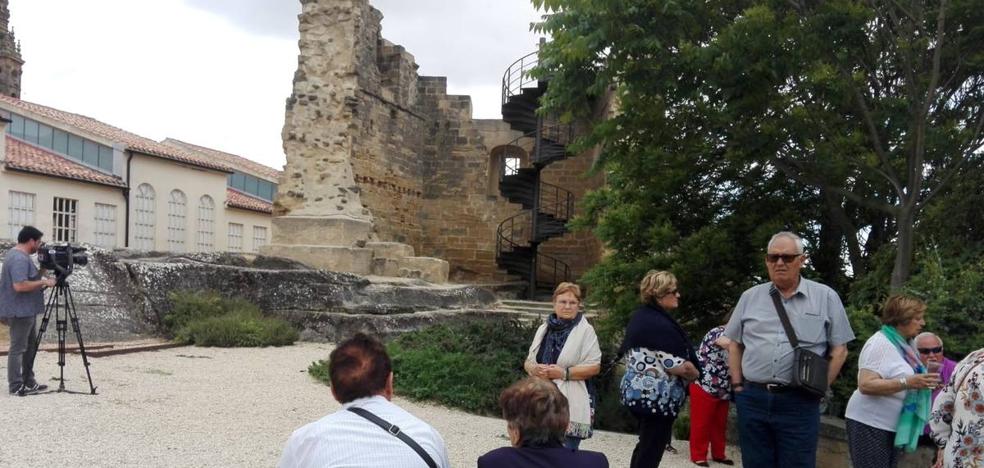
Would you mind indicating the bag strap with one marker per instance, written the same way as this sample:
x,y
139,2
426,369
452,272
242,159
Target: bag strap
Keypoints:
x,y
784,318
394,430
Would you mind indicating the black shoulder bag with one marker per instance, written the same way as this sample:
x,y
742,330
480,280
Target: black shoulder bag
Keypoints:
x,y
809,368
394,430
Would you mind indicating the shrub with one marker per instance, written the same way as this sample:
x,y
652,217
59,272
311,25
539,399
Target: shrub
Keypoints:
x,y
208,319
681,426
463,366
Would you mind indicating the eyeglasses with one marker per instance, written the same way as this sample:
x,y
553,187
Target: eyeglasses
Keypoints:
x,y
786,258
568,303
936,350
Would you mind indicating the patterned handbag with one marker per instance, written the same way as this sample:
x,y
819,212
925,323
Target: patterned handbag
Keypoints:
x,y
646,388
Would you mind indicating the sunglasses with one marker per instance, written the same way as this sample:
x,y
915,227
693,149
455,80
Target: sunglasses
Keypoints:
x,y
936,350
786,258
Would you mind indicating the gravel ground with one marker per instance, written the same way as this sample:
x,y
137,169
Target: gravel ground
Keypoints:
x,y
213,407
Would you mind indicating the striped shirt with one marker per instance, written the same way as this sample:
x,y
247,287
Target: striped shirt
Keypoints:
x,y
346,440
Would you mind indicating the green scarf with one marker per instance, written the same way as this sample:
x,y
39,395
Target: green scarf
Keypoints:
x,y
917,403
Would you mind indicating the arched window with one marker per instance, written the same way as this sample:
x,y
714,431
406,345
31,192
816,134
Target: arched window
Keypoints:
x,y
143,225
177,212
504,160
206,224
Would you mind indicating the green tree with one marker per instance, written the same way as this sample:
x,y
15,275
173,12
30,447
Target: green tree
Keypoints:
x,y
870,108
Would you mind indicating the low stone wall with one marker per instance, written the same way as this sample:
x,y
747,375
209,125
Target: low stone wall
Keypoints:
x,y
121,295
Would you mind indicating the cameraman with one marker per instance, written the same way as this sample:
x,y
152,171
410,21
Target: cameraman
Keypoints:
x,y
21,300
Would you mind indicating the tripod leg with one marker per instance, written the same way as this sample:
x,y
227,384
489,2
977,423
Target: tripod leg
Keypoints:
x,y
74,317
52,304
61,326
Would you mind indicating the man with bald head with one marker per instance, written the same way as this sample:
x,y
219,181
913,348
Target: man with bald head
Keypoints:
x,y
778,424
930,348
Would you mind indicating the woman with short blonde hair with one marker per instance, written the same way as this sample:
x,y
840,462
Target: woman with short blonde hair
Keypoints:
x,y
565,349
660,360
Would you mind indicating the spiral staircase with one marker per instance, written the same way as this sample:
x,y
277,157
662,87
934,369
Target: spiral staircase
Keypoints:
x,y
546,207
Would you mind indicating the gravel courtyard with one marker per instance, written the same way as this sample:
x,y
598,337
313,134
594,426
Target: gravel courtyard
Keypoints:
x,y
212,407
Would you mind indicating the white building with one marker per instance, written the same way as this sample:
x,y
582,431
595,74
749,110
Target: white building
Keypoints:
x,y
81,180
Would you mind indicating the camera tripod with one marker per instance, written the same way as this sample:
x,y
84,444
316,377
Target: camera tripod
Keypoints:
x,y
62,306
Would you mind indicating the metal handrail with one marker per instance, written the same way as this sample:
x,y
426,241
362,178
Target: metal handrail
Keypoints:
x,y
506,234
517,76
508,237
555,267
556,201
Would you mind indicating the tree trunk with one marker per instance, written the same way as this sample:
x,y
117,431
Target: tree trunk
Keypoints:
x,y
904,251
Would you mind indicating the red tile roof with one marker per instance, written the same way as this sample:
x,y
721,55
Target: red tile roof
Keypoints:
x,y
231,160
26,157
132,141
237,199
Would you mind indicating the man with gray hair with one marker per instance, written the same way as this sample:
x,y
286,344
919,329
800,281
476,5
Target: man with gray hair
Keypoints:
x,y
778,424
930,349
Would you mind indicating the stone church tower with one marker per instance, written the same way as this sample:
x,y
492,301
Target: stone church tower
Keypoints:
x,y
10,57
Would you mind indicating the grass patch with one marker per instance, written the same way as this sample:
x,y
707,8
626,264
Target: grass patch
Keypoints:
x,y
208,319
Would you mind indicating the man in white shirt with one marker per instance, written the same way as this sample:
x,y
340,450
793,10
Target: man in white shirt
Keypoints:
x,y
362,380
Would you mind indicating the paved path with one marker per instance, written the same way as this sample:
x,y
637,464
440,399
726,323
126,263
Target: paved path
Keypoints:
x,y
212,407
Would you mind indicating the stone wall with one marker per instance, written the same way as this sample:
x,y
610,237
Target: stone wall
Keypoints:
x,y
421,165
123,295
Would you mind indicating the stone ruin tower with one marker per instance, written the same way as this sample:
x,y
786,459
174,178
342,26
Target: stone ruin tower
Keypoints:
x,y
11,62
319,217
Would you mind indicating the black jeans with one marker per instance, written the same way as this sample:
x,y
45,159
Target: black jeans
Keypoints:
x,y
654,434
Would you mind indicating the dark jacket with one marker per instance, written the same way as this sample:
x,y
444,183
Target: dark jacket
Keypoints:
x,y
545,457
653,328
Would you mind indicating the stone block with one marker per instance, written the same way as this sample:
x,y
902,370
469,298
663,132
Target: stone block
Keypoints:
x,y
312,230
390,249
431,269
333,258
385,266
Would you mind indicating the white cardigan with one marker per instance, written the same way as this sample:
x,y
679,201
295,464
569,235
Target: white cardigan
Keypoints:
x,y
580,349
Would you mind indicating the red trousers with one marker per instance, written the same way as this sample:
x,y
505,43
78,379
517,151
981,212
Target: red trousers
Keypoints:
x,y
708,423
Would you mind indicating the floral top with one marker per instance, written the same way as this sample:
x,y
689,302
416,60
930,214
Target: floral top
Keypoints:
x,y
957,420
714,379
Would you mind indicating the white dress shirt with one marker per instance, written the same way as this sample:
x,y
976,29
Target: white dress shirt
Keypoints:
x,y
346,440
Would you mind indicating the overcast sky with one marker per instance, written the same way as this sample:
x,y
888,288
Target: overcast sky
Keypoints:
x,y
217,72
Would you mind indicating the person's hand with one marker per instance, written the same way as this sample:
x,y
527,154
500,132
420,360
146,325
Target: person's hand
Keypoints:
x,y
554,372
548,371
49,282
921,381
939,458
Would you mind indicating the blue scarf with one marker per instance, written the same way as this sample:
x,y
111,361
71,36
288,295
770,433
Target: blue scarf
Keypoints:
x,y
558,330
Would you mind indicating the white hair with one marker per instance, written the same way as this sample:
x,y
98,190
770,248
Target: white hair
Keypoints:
x,y
787,235
927,335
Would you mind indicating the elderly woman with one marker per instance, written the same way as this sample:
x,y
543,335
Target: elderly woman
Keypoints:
x,y
565,349
536,417
957,420
892,402
660,360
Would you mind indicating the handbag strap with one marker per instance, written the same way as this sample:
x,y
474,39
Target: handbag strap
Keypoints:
x,y
394,430
790,333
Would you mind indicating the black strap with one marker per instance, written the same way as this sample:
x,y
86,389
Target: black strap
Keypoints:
x,y
793,341
394,430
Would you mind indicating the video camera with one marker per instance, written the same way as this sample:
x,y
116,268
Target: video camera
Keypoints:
x,y
61,258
